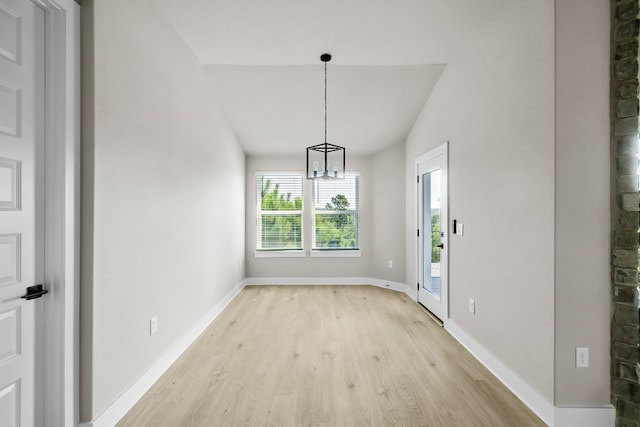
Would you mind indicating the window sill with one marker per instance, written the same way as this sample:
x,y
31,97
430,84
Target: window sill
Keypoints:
x,y
336,254
280,254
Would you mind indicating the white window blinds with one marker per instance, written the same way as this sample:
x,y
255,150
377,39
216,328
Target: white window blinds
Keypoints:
x,y
279,212
335,214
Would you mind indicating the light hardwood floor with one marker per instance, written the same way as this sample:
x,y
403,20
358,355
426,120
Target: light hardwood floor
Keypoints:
x,y
327,356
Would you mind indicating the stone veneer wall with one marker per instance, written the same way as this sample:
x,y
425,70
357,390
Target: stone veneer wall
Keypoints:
x,y
625,369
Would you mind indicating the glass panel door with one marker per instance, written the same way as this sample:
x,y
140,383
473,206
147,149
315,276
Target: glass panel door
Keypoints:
x,y
432,241
432,260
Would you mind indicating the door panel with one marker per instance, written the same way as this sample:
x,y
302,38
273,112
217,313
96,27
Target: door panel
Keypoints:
x,y
21,197
10,333
432,237
9,408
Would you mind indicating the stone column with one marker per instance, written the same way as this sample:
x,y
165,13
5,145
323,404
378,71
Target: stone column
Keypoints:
x,y
625,369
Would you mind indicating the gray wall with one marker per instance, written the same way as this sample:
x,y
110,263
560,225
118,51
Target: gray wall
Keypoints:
x,y
582,201
387,214
163,219
495,104
529,179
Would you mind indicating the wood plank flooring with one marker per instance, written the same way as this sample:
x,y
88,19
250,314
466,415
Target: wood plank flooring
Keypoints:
x,y
327,356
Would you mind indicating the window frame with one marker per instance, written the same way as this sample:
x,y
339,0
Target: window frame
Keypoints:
x,y
337,252
282,252
307,223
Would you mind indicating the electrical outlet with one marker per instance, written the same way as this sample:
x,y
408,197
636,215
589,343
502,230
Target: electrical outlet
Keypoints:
x,y
472,305
153,325
582,357
390,264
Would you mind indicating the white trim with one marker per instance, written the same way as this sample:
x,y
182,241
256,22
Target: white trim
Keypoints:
x,y
289,172
437,157
259,213
319,252
329,253
394,286
539,404
440,150
534,400
280,254
311,281
126,400
62,227
251,281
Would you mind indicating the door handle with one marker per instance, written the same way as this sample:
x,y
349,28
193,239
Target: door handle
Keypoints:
x,y
441,245
35,291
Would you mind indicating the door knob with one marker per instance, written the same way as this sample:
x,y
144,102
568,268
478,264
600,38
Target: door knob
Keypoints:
x,y
35,291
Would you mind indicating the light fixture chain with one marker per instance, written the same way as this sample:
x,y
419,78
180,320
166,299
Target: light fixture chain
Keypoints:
x,y
325,102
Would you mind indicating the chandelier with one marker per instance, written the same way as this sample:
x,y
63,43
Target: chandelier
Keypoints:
x,y
325,161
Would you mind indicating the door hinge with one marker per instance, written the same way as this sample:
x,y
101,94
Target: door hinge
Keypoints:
x,y
418,179
418,232
418,286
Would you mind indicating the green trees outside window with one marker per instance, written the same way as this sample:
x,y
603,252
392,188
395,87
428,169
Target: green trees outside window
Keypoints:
x,y
279,213
336,223
435,237
335,228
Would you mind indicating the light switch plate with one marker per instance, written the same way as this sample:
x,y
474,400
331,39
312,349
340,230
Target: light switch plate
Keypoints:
x,y
153,325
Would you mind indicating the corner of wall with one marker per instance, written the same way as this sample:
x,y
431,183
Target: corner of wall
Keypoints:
x,y
87,186
388,252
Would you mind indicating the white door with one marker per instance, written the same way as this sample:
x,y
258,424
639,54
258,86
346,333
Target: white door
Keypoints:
x,y
433,245
21,206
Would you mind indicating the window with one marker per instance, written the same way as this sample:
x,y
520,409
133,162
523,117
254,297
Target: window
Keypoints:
x,y
335,214
279,212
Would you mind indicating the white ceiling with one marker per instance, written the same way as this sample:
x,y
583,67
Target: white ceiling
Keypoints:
x,y
263,55
280,109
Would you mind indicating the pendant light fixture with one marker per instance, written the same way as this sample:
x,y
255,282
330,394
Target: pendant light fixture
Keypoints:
x,y
325,161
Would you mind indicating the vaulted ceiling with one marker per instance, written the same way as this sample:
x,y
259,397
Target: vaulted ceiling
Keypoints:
x,y
263,56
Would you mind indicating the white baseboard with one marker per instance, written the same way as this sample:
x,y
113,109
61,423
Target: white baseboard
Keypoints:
x,y
110,416
552,415
534,400
387,284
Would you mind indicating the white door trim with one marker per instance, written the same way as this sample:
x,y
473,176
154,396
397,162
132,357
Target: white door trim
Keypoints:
x,y
441,150
62,204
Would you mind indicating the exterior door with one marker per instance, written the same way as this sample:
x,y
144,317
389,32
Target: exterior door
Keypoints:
x,y
21,207
433,245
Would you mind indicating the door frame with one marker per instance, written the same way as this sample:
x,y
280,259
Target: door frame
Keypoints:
x,y
441,150
60,360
